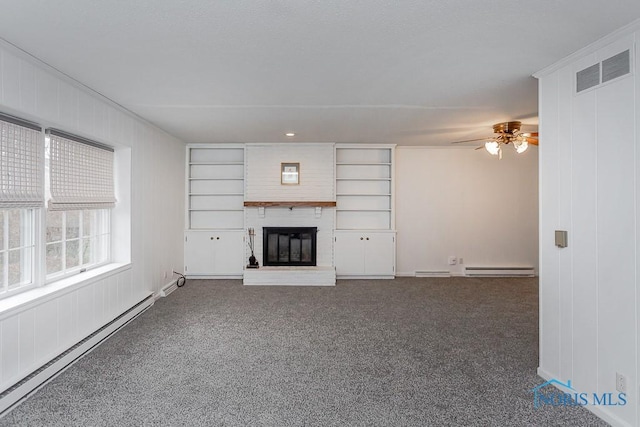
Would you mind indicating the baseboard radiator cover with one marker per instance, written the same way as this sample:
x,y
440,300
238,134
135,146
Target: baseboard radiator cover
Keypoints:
x,y
432,273
500,271
168,288
13,395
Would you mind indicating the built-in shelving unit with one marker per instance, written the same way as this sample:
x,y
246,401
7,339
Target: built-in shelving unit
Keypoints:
x,y
364,236
214,236
364,187
215,187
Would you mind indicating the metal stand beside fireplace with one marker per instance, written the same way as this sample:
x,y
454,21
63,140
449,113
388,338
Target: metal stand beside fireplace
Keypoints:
x,y
289,246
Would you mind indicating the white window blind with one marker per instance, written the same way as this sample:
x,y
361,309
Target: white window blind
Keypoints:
x,y
21,164
80,173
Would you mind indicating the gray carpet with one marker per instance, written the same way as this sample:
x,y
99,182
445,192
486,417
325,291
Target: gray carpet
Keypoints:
x,y
407,352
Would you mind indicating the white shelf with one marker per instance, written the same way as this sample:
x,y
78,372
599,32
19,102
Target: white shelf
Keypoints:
x,y
362,164
363,179
364,187
216,194
209,229
216,163
363,194
215,187
216,179
363,210
216,210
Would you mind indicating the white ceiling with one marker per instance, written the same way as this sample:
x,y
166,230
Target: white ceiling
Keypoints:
x,y
412,72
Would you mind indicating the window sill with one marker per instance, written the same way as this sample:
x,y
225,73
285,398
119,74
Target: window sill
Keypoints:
x,y
31,298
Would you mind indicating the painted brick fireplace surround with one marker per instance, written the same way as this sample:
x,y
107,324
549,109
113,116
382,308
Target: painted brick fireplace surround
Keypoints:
x,y
262,183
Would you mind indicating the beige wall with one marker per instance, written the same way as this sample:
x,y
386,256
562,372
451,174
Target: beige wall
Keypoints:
x,y
468,204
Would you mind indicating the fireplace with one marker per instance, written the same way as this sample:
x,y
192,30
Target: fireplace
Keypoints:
x,y
289,246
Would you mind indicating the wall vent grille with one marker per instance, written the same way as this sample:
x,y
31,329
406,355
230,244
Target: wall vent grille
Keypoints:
x,y
588,78
603,72
616,66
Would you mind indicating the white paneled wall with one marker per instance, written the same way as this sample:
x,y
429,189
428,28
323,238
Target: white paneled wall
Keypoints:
x,y
589,176
31,337
148,219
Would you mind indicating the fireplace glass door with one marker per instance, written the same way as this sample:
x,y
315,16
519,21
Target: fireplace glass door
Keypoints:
x,y
289,246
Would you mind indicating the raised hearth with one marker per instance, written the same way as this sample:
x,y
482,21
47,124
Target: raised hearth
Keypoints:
x,y
290,276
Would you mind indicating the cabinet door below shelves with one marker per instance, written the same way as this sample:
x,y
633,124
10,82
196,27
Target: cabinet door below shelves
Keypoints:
x,y
230,253
349,254
214,253
379,256
198,253
365,253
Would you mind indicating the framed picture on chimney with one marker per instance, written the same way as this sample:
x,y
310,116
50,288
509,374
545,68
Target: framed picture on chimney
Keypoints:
x,y
290,173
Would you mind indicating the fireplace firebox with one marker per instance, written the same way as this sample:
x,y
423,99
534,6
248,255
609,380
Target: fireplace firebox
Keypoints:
x,y
289,246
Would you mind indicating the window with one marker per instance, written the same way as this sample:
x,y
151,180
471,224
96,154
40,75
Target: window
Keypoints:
x,y
76,241
75,175
21,195
80,173
80,178
17,249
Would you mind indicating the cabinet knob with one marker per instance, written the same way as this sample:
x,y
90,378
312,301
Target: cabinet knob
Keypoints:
x,y
211,238
367,238
218,238
361,238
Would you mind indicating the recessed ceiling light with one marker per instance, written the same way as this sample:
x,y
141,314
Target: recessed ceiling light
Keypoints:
x,y
290,134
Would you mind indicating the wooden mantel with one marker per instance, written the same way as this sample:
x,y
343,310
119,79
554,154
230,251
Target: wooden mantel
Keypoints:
x,y
312,204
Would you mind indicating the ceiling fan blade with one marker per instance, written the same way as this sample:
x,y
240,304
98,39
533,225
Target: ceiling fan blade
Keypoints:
x,y
472,140
532,141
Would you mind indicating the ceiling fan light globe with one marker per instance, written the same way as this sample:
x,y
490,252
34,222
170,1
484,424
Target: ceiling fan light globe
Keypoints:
x,y
520,145
493,147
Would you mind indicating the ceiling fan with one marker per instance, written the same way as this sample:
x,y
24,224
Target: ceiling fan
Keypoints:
x,y
506,133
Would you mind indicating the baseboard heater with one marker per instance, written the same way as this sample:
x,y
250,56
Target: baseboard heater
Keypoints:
x,y
32,382
168,288
499,271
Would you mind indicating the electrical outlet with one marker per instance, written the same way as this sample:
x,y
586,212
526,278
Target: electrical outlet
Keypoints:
x,y
621,383
452,260
460,260
165,274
